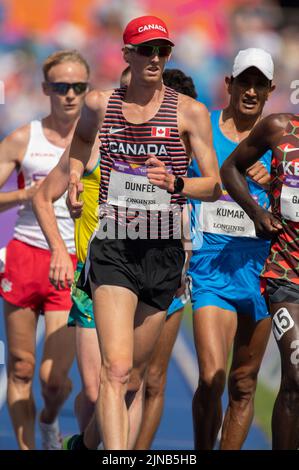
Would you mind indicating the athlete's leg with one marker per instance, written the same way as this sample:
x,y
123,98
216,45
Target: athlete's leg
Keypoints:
x,y
156,381
214,331
117,343
249,348
58,355
285,418
134,402
89,364
114,310
20,332
147,330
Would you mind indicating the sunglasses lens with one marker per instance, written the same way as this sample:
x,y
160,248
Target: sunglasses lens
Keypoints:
x,y
164,51
79,88
61,88
148,50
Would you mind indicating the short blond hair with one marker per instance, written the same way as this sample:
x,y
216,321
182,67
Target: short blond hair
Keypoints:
x,y
125,76
59,57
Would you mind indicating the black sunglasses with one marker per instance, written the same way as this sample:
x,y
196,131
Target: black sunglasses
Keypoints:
x,y
62,88
148,50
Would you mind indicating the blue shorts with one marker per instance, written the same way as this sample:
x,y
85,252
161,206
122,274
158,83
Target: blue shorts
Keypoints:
x,y
230,280
178,302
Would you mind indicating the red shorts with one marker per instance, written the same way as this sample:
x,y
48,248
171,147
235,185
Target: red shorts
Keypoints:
x,y
25,280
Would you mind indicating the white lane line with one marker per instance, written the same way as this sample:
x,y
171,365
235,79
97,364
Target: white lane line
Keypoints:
x,y
186,361
3,376
3,386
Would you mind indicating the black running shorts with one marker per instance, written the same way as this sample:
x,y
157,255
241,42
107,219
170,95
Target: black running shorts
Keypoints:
x,y
282,290
150,268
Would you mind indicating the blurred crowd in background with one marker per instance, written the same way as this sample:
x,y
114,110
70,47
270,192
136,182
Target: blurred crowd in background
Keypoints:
x,y
207,34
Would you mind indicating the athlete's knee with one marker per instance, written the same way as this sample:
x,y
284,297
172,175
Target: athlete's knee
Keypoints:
x,y
212,382
21,368
135,380
290,386
83,408
54,383
116,372
242,384
91,393
155,381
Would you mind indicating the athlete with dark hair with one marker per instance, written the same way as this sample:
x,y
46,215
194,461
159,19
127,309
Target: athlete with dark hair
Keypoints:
x,y
225,265
280,276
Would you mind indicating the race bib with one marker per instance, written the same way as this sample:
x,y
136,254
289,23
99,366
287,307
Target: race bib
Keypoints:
x,y
226,217
130,187
289,199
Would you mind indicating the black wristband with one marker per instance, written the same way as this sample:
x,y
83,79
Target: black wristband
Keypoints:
x,y
178,185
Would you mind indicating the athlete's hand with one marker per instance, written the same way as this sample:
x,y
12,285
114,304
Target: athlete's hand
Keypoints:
x,y
266,224
185,278
158,175
61,272
75,188
28,193
259,173
182,289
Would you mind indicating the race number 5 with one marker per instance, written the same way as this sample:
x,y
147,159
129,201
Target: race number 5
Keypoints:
x,y
281,323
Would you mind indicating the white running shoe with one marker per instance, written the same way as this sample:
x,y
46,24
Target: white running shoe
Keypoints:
x,y
51,437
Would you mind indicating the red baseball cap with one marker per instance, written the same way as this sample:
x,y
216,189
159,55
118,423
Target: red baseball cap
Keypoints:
x,y
145,28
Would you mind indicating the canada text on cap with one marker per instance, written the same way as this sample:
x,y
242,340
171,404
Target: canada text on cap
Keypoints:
x,y
146,28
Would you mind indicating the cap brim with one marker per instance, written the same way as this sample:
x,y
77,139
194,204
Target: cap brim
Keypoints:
x,y
267,75
153,39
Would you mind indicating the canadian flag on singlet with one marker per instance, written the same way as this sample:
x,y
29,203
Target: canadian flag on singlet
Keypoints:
x,y
160,131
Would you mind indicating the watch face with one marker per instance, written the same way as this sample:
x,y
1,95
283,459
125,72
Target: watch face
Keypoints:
x,y
179,184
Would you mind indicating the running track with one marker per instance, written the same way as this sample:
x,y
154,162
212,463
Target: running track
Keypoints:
x,y
175,430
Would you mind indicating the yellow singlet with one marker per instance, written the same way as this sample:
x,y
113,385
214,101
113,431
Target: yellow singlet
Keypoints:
x,y
85,225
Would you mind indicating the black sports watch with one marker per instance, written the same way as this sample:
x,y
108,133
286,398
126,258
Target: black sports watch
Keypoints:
x,y
178,185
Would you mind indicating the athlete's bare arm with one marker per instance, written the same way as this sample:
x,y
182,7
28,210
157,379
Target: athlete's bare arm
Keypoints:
x,y
196,131
53,187
265,136
194,123
87,129
12,151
